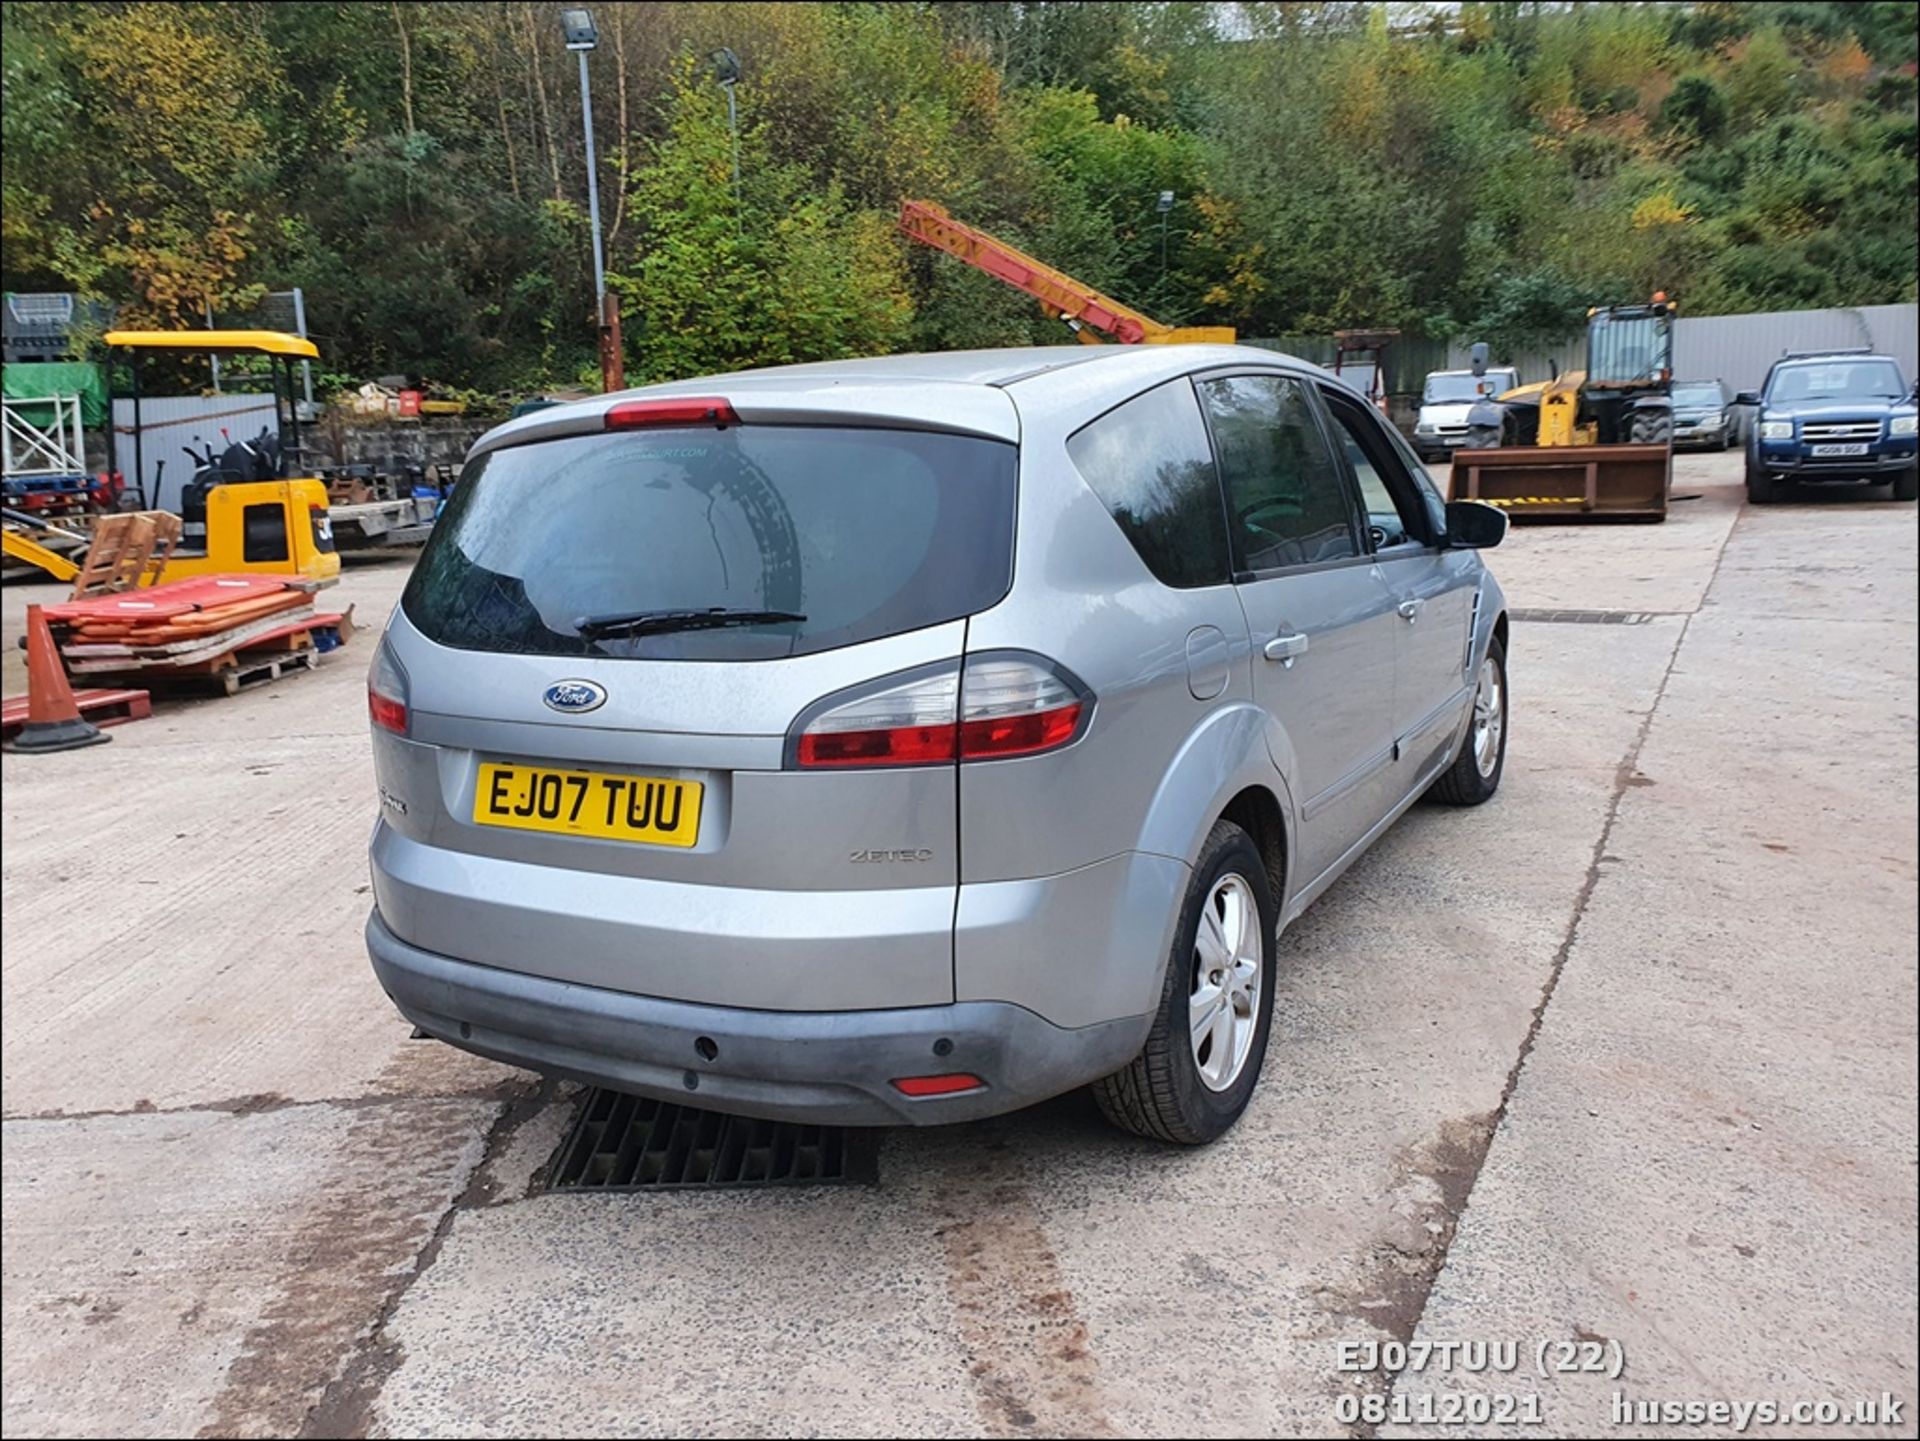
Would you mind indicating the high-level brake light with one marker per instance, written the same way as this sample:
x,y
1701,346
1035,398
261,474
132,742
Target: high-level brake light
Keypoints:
x,y
672,410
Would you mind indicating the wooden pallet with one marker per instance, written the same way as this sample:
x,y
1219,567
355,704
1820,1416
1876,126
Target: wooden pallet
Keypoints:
x,y
234,672
102,707
129,550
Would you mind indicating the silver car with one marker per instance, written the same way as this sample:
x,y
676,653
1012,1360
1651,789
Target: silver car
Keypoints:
x,y
910,740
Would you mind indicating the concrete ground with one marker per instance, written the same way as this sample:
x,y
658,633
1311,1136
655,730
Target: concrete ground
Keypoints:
x,y
1626,1059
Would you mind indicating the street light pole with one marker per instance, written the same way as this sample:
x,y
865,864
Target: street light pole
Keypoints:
x,y
1166,204
582,35
593,186
726,69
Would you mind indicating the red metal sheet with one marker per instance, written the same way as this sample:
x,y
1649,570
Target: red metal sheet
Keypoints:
x,y
172,598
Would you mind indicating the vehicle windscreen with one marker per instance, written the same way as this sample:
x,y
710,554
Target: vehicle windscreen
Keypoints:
x,y
1453,389
1698,397
1837,380
1448,390
1622,349
562,547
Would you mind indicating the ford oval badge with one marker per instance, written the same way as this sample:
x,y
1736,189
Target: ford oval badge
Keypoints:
x,y
574,697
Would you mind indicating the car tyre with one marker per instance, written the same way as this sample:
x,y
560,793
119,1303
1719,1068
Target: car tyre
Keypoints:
x,y
1906,485
1475,773
1183,1090
1762,489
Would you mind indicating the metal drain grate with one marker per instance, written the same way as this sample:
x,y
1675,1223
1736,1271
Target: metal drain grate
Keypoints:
x,y
633,1143
1586,617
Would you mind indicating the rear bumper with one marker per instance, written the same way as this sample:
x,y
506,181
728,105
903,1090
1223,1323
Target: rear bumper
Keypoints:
x,y
823,1067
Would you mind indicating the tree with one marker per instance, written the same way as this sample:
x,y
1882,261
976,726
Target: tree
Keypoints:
x,y
787,272
1696,107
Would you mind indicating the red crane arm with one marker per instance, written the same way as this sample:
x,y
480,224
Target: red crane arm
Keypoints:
x,y
1059,292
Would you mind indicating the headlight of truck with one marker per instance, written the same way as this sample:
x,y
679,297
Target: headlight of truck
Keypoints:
x,y
1904,425
1776,430
1423,427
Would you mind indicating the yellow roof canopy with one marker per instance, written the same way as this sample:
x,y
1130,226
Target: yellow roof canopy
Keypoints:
x,y
259,342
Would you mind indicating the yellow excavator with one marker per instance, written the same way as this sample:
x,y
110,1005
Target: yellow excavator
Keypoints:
x,y
247,508
1591,443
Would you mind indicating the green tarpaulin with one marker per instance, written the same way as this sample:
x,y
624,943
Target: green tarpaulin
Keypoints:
x,y
38,380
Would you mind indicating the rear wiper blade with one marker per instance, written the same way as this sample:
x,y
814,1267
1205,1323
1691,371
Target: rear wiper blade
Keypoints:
x,y
658,622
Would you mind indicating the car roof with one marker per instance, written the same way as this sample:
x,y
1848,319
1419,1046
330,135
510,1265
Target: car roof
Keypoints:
x,y
1827,357
969,391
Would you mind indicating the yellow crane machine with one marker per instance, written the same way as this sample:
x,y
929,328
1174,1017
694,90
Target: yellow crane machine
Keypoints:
x,y
1586,444
251,506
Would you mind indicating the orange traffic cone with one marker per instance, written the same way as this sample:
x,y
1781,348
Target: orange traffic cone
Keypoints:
x,y
53,720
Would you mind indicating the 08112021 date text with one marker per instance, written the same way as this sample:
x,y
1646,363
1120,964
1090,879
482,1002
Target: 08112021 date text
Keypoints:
x,y
1445,1408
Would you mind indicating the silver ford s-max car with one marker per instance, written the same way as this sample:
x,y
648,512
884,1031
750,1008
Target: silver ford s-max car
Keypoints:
x,y
910,740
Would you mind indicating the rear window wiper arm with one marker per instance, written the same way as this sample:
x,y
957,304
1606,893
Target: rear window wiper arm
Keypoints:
x,y
658,622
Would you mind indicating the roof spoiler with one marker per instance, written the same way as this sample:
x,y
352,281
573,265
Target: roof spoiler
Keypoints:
x,y
1836,350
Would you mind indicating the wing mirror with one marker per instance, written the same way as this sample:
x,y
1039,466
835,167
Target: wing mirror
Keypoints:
x,y
1474,525
1747,397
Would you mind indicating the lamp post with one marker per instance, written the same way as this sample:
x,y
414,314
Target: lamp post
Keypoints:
x,y
582,35
726,69
1166,204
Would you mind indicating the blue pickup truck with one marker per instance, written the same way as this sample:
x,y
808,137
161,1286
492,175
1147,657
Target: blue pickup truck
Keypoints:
x,y
1844,415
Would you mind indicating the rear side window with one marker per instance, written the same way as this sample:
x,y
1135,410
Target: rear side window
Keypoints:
x,y
1151,465
866,533
1285,492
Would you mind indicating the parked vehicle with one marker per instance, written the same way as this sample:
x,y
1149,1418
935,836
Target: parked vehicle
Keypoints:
x,y
252,506
1825,417
913,739
1702,419
1449,395
1593,444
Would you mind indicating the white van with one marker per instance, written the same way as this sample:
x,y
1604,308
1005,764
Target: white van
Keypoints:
x,y
1442,426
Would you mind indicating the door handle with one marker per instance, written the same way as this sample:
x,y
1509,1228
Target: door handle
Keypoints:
x,y
1284,648
1410,610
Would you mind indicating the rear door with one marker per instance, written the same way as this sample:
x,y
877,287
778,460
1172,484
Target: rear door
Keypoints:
x,y
1321,616
1433,588
523,662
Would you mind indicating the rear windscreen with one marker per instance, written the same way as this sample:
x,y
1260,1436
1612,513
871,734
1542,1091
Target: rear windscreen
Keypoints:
x,y
866,533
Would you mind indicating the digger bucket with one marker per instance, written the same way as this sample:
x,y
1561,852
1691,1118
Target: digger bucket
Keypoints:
x,y
1567,482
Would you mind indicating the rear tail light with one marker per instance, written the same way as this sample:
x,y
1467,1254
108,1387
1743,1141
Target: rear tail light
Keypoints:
x,y
1012,706
387,691
997,706
907,724
674,410
950,1084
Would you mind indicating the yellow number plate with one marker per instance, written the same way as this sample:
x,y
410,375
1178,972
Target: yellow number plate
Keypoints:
x,y
649,809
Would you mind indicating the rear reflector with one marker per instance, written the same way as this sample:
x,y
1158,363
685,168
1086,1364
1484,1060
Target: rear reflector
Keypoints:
x,y
678,410
947,1085
1007,705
